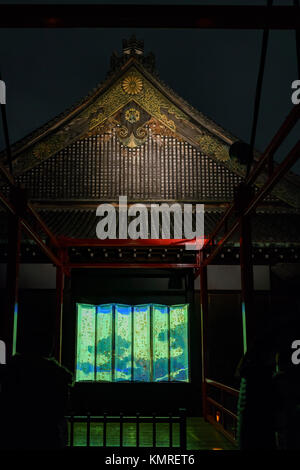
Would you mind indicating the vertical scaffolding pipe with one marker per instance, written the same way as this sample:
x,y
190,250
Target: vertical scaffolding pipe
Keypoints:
x,y
247,289
104,429
88,429
297,37
12,284
182,428
60,279
204,325
72,429
137,429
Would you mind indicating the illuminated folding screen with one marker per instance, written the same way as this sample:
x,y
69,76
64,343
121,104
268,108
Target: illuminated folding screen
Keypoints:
x,y
141,343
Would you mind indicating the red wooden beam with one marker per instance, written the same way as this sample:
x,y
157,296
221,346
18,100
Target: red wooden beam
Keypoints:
x,y
109,265
30,231
43,226
96,242
148,16
288,124
11,183
7,176
60,279
280,170
226,388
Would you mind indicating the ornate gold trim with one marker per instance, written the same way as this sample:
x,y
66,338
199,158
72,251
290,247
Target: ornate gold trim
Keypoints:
x,y
212,147
104,107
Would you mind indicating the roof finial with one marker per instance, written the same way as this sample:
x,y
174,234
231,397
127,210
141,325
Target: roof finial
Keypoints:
x,y
133,46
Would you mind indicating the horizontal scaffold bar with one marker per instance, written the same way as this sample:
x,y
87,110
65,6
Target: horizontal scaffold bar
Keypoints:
x,y
149,16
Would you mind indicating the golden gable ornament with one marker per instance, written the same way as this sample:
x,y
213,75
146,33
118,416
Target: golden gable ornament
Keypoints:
x,y
132,85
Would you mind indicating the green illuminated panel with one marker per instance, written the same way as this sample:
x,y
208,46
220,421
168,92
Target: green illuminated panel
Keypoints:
x,y
160,316
123,342
104,342
85,360
141,343
179,343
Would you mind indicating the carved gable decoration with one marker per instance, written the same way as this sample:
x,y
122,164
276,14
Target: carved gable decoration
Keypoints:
x,y
131,129
130,89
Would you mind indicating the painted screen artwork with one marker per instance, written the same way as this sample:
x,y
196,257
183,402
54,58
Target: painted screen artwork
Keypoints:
x,y
86,332
124,343
160,315
104,342
141,343
179,364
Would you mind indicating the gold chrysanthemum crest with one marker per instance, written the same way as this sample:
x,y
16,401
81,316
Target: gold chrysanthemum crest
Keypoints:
x,y
132,85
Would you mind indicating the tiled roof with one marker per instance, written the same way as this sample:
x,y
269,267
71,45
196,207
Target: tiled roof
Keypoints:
x,y
280,228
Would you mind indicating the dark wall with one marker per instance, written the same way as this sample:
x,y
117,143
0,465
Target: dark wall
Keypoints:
x,y
225,334
36,314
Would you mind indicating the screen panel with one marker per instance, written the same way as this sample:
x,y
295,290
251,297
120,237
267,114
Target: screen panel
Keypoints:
x,y
141,343
104,322
123,342
86,329
179,358
160,325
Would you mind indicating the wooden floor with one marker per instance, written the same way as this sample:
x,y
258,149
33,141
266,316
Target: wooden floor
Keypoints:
x,y
200,435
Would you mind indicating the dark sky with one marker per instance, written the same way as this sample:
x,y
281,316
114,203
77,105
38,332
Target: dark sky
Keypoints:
x,y
47,71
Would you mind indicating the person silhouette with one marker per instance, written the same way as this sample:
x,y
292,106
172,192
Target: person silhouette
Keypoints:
x,y
35,392
256,429
286,380
269,398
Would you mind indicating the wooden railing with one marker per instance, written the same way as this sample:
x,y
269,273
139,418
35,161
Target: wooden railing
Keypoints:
x,y
106,418
221,408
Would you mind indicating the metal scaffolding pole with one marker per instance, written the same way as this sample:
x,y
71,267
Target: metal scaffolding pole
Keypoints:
x,y
247,292
12,284
60,279
204,329
148,16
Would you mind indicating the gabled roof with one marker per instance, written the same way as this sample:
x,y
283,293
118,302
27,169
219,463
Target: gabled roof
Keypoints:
x,y
133,81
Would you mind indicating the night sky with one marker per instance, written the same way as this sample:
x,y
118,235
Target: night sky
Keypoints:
x,y
46,71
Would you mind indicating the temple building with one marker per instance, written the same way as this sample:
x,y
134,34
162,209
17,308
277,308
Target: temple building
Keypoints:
x,y
130,310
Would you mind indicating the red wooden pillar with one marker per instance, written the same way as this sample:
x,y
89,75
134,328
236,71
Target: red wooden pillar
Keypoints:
x,y
12,285
204,325
60,280
247,289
